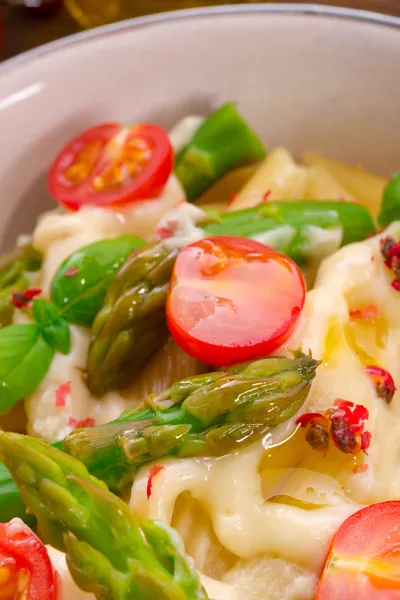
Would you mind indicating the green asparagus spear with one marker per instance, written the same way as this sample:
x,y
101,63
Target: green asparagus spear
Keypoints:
x,y
222,142
131,324
298,229
204,415
111,552
390,208
243,401
14,268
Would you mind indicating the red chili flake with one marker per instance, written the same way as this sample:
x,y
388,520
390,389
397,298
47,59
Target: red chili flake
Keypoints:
x,y
168,231
396,285
232,199
366,437
384,384
71,272
368,312
307,418
88,422
344,425
372,258
396,266
266,195
390,248
360,469
61,393
154,471
22,299
183,201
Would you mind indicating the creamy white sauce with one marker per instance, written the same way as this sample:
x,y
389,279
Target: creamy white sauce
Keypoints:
x,y
180,226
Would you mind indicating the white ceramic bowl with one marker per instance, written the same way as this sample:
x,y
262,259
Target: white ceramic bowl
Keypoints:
x,y
311,77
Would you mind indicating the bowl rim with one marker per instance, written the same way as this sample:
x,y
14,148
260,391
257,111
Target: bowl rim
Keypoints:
x,y
322,10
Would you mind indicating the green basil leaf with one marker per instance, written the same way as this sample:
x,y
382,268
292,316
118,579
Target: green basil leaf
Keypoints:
x,y
80,284
54,328
25,358
390,207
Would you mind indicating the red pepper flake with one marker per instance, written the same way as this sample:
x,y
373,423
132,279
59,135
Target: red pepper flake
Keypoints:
x,y
22,299
61,393
71,272
266,195
396,285
368,312
88,422
384,384
366,437
390,250
360,469
183,201
154,471
343,425
166,232
232,199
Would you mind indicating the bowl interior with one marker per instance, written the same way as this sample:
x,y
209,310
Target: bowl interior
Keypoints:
x,y
302,79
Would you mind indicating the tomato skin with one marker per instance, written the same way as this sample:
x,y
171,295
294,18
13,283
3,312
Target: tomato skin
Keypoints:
x,y
364,559
232,299
23,555
108,142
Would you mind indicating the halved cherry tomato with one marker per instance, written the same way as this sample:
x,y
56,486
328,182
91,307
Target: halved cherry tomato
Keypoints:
x,y
364,559
111,165
26,572
232,299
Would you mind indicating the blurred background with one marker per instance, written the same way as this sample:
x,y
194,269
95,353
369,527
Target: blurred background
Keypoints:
x,y
25,24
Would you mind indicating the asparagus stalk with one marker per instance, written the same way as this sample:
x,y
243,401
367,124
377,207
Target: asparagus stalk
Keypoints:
x,y
131,325
204,415
222,142
290,225
111,552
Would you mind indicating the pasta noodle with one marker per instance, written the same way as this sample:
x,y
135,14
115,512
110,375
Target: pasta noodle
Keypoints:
x,y
226,188
167,366
277,177
366,187
323,186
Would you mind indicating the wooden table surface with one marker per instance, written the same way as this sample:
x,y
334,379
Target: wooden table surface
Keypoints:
x,y
22,32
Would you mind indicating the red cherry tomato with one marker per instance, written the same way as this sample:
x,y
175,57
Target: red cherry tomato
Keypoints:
x,y
111,165
232,299
364,559
26,571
